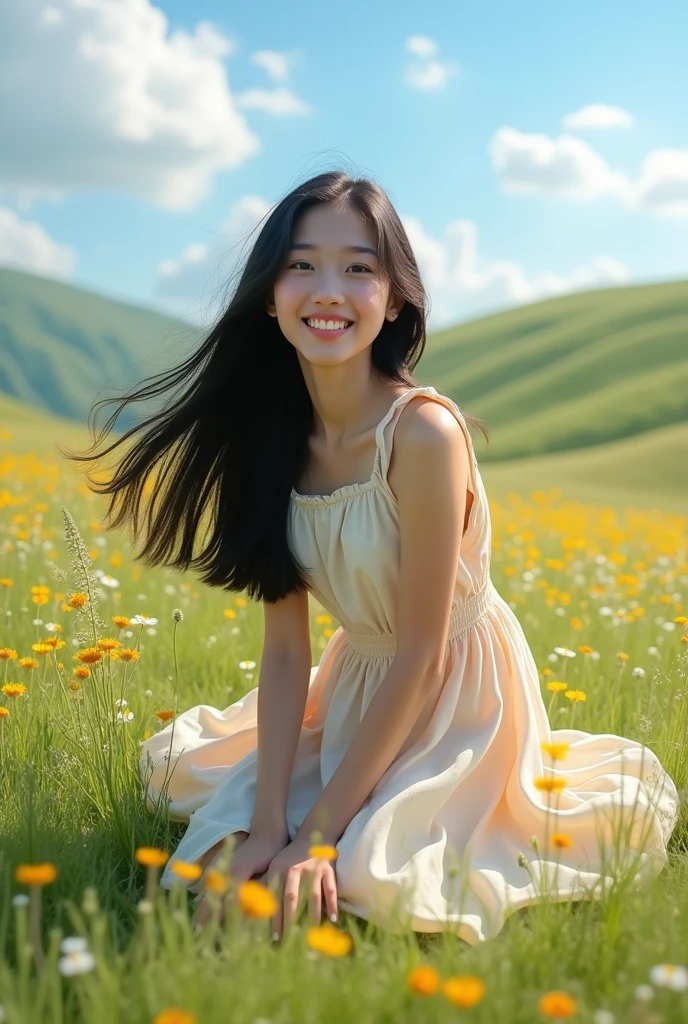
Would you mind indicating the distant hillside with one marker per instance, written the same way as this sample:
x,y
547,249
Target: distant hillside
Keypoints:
x,y
62,347
566,373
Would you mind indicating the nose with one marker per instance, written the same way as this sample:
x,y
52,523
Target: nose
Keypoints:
x,y
328,289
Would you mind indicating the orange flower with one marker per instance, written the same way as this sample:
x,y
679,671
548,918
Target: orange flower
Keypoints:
x,y
13,689
165,714
326,852
215,881
174,1015
188,872
151,857
256,900
547,784
121,621
464,990
327,939
4,712
127,654
558,1005
557,751
584,649
622,656
82,672
424,980
28,663
89,656
562,840
107,643
75,685
77,600
35,874
6,653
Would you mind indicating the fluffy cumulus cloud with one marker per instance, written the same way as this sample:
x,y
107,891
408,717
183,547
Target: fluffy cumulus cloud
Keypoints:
x,y
101,95
569,168
424,69
25,245
462,284
598,115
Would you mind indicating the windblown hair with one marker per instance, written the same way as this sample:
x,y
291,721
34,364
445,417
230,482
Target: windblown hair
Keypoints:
x,y
236,440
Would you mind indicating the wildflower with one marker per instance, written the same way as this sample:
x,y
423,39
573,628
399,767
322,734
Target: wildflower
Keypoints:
x,y
35,874
562,841
669,976
174,1015
187,872
121,621
89,656
327,852
77,600
247,665
121,703
424,980
584,649
622,656
215,881
82,672
240,602
556,686
565,652
165,714
77,957
43,648
107,643
576,695
28,663
558,1005
256,900
547,784
556,751
125,716
464,990
75,685
143,620
329,940
178,615
127,654
6,653
151,857
13,689
4,712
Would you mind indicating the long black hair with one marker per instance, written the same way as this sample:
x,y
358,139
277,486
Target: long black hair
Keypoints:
x,y
236,440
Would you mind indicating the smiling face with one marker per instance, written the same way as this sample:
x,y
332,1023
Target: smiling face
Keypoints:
x,y
332,273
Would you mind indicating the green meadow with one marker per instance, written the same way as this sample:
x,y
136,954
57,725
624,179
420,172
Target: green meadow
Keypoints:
x,y
586,402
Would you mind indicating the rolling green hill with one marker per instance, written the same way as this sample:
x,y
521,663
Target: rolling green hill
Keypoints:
x,y
566,373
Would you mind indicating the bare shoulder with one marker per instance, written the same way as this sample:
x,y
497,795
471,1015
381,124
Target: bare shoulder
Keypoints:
x,y
424,420
429,444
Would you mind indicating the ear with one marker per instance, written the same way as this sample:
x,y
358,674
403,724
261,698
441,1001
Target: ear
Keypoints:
x,y
394,307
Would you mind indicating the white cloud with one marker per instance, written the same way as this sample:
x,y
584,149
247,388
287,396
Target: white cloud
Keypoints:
x,y
276,64
569,168
425,72
189,277
279,102
463,285
104,96
598,115
26,245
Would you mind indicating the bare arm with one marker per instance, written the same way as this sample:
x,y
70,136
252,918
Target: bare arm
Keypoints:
x,y
282,691
433,463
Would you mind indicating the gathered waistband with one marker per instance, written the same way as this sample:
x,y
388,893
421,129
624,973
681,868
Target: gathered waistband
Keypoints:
x,y
463,616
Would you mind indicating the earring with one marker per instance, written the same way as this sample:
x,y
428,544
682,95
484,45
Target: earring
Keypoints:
x,y
393,315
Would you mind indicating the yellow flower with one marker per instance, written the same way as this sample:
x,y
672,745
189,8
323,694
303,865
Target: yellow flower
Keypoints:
x,y
327,939
28,663
256,900
128,654
43,648
151,857
4,712
557,1005
546,784
584,649
240,602
174,1015
557,687
6,653
562,840
326,852
464,990
77,600
89,656
576,695
229,613
189,872
121,621
555,750
621,656
35,874
424,980
82,672
215,881
13,689
108,643
165,714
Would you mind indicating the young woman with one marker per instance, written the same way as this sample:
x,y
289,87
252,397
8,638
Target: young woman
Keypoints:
x,y
413,747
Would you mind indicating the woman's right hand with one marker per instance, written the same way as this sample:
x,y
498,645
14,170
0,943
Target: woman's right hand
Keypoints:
x,y
252,855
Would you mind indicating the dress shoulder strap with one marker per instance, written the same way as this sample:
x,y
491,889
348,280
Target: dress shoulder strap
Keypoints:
x,y
385,431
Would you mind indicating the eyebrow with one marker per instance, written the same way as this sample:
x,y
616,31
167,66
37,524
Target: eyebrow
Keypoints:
x,y
345,248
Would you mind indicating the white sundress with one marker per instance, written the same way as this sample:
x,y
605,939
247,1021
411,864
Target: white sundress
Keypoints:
x,y
436,844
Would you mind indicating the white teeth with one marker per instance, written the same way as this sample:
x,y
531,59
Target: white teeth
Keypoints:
x,y
327,325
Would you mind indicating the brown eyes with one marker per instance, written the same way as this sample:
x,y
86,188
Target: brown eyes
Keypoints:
x,y
362,265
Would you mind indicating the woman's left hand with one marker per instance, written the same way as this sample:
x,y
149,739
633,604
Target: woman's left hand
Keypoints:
x,y
290,869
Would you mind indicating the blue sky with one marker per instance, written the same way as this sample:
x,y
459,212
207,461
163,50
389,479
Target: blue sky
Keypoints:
x,y
531,149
